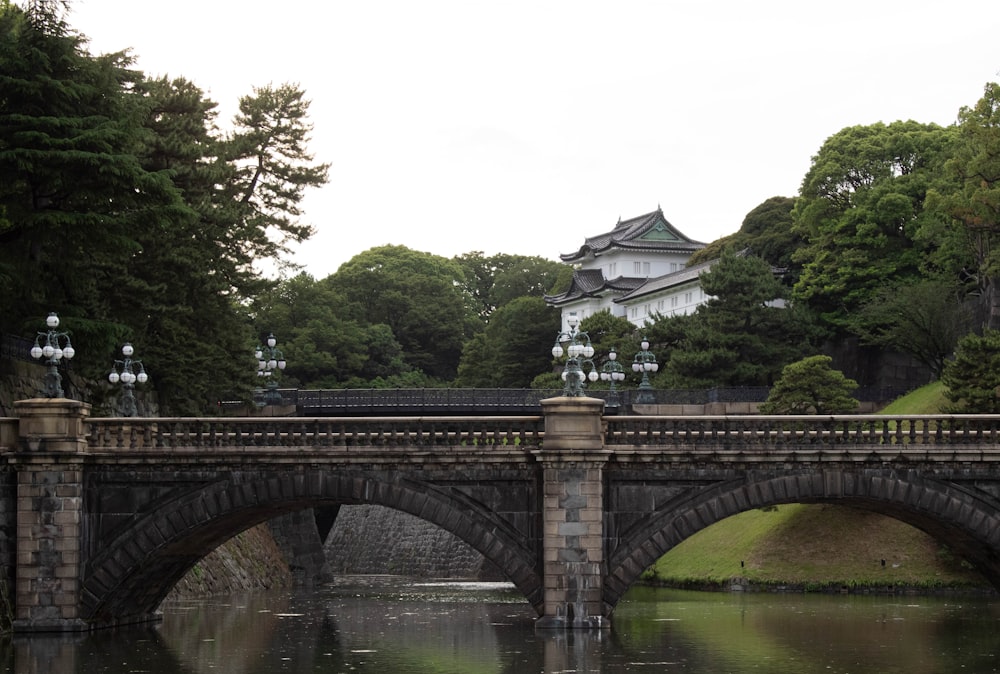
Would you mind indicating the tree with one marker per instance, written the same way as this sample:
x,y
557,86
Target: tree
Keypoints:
x,y
273,168
860,211
973,376
968,233
924,319
811,386
418,295
515,346
73,192
185,284
741,336
767,232
144,224
323,347
606,332
494,281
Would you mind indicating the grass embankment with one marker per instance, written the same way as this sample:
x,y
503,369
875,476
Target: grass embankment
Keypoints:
x,y
819,547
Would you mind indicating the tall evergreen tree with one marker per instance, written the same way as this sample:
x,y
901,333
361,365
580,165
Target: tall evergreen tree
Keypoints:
x,y
741,336
272,170
73,192
123,210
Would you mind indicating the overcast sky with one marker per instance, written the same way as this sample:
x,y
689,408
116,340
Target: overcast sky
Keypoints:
x,y
522,127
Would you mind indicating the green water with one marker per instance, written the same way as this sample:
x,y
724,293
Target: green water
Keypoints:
x,y
395,626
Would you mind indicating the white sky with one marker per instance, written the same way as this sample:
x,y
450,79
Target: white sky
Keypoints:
x,y
521,127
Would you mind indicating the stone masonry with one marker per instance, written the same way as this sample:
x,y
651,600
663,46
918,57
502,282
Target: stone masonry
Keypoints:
x,y
572,514
49,502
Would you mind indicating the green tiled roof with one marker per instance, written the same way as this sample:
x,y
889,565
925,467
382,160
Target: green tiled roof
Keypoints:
x,y
648,232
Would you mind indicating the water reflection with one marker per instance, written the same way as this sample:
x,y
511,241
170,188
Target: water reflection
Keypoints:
x,y
394,626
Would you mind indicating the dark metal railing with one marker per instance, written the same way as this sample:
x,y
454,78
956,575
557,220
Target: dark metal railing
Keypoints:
x,y
13,347
423,399
498,400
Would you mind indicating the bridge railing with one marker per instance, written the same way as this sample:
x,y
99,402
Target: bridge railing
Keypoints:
x,y
755,431
243,432
686,433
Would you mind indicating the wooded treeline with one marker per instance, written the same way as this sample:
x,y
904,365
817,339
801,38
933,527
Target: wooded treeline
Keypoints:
x,y
125,209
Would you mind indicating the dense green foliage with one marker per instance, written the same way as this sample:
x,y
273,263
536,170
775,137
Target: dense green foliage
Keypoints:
x,y
496,280
512,349
811,386
766,232
973,377
740,336
925,319
969,228
127,213
414,294
861,211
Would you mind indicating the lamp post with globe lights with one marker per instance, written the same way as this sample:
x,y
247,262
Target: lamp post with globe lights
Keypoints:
x,y
612,372
124,371
579,352
49,345
645,362
269,359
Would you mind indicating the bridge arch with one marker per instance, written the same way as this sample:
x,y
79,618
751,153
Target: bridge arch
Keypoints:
x,y
967,521
134,571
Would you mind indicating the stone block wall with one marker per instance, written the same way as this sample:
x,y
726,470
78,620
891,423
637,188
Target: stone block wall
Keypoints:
x,y
378,540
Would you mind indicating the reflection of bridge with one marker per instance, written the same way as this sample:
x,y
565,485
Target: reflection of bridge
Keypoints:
x,y
104,516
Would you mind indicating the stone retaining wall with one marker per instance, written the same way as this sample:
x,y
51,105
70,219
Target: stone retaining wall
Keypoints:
x,y
379,540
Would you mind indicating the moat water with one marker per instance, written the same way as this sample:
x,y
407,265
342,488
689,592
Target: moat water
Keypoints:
x,y
390,625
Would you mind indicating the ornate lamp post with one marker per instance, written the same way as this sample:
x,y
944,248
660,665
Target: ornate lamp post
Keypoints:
x,y
124,371
612,372
645,362
269,359
579,354
48,345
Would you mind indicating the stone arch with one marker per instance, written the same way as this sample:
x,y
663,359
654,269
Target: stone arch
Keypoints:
x,y
126,581
968,521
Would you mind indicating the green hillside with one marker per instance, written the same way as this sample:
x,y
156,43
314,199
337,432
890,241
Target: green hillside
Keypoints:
x,y
819,546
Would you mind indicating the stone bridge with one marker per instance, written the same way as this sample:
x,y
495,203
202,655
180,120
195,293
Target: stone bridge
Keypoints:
x,y
100,517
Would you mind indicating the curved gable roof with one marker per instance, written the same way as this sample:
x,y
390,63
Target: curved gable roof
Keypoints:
x,y
648,232
662,283
590,283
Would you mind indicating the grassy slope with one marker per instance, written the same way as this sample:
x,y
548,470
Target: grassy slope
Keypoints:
x,y
819,545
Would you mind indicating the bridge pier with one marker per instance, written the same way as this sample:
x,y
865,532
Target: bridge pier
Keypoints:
x,y
573,461
49,501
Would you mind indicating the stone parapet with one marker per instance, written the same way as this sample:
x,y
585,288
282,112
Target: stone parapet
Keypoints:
x,y
573,423
52,425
